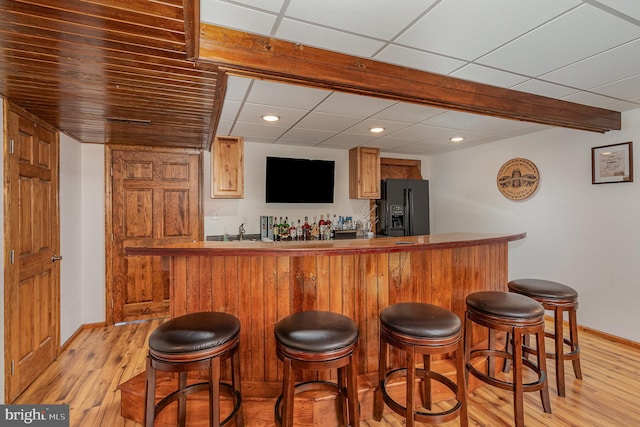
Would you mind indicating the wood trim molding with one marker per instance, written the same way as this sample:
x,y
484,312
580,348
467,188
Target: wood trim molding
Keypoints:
x,y
267,58
191,12
77,333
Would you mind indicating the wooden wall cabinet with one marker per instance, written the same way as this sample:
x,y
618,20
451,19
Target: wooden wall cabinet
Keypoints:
x,y
227,167
364,173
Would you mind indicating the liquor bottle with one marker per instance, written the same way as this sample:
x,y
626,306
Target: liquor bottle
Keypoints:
x,y
300,231
284,229
315,231
327,228
293,231
321,228
276,229
306,229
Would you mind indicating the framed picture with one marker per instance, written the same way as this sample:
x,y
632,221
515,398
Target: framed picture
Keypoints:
x,y
612,163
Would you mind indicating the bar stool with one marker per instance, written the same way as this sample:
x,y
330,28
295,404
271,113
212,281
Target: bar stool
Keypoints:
x,y
189,343
318,340
557,298
519,316
426,329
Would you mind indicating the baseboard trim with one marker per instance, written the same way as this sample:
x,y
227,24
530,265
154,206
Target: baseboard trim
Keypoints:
x,y
83,327
611,337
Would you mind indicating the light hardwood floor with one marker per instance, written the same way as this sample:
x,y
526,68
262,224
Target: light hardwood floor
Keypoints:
x,y
87,373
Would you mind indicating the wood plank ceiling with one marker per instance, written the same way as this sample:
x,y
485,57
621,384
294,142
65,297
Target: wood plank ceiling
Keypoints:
x,y
117,71
111,71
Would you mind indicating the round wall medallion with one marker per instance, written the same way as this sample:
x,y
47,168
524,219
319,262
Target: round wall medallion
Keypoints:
x,y
518,179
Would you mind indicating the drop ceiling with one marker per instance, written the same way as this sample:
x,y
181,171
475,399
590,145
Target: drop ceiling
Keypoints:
x,y
117,71
586,52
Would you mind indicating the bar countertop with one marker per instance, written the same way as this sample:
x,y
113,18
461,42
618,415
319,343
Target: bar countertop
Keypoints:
x,y
326,247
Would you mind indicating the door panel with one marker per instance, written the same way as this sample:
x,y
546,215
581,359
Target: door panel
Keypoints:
x,y
155,200
32,234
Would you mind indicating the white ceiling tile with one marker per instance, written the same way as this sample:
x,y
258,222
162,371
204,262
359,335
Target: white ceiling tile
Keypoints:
x,y
347,140
271,5
628,7
324,38
551,90
623,89
387,144
325,121
582,32
455,119
285,95
615,64
234,16
418,132
419,60
405,112
252,113
251,130
354,105
469,29
489,76
532,128
624,105
306,136
496,126
230,110
237,88
224,127
425,148
590,98
362,128
375,18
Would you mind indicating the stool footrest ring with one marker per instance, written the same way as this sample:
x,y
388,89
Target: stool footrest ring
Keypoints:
x,y
428,417
506,385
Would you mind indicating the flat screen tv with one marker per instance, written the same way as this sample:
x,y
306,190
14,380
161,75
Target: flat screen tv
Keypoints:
x,y
299,180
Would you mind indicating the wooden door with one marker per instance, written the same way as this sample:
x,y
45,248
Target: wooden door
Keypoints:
x,y
32,243
153,198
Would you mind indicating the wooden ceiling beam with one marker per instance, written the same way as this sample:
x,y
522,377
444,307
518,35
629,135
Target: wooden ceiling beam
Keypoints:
x,y
249,55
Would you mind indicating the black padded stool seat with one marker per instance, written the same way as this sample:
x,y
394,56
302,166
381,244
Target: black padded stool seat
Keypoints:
x,y
189,343
318,340
558,298
426,329
518,316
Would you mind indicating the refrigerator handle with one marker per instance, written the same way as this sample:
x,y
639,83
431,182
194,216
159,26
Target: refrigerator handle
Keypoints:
x,y
410,213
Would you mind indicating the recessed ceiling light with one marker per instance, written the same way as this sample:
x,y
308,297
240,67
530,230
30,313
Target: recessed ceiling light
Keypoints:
x,y
456,139
376,130
270,118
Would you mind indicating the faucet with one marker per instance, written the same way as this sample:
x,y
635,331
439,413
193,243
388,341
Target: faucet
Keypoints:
x,y
241,232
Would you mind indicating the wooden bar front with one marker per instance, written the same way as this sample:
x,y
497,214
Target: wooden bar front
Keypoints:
x,y
262,283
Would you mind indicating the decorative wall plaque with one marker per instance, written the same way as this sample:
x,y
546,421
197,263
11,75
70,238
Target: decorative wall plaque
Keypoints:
x,y
518,179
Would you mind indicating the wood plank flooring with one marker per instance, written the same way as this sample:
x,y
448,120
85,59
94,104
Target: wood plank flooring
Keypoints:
x,y
87,373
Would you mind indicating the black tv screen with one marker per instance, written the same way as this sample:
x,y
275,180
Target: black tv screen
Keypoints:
x,y
299,180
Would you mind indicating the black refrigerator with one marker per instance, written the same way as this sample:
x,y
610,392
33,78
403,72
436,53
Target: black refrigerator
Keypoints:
x,y
403,209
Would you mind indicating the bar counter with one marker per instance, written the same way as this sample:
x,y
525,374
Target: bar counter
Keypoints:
x,y
262,282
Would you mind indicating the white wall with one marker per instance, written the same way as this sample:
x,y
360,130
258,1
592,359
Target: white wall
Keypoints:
x,y
82,281
584,235
93,229
227,214
71,288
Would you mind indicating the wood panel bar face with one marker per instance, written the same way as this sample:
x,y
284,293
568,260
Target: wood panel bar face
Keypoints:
x,y
263,289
